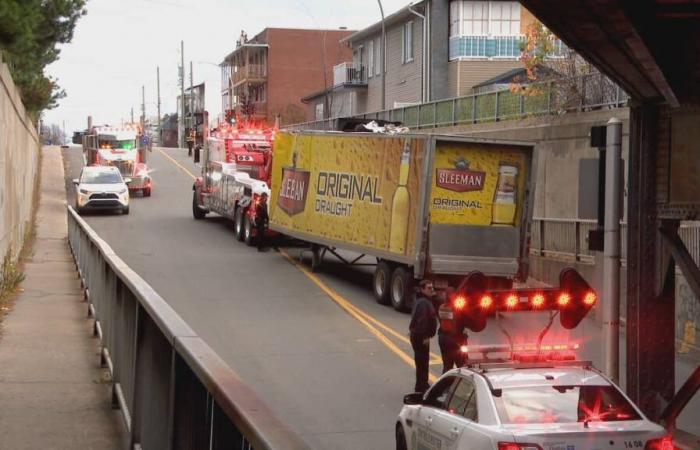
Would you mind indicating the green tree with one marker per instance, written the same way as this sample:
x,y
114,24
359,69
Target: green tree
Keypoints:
x,y
30,32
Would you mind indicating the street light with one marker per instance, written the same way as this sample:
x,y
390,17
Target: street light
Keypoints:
x,y
383,62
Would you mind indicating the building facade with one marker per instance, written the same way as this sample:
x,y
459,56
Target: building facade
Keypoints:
x,y
435,49
265,77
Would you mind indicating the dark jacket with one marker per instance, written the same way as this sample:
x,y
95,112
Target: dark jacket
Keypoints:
x,y
423,319
261,217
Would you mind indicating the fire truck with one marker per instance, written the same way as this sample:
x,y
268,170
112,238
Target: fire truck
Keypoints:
x,y
235,172
123,148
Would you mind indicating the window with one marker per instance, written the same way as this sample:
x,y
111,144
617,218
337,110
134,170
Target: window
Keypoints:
x,y
454,18
475,18
319,111
370,60
408,42
504,19
439,394
563,404
481,18
378,55
463,401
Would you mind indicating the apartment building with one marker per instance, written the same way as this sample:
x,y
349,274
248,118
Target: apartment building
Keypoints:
x,y
435,49
266,76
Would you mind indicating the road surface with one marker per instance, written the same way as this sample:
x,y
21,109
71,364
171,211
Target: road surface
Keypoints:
x,y
317,348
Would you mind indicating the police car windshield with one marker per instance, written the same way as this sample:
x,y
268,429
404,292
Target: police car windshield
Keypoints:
x,y
563,404
107,177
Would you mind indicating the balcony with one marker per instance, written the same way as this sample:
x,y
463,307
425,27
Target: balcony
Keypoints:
x,y
349,73
250,72
494,47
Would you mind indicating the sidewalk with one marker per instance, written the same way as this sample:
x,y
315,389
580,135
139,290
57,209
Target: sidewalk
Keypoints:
x,y
53,393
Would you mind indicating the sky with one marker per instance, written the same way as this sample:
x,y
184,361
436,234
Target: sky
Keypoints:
x,y
117,46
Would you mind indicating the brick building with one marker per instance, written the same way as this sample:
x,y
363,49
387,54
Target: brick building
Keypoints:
x,y
267,76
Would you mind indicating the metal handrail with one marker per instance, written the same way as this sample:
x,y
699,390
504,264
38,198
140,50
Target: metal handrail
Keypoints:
x,y
173,389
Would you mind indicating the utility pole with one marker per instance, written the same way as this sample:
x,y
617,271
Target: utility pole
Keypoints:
x,y
132,114
160,124
181,117
383,61
64,132
192,126
611,250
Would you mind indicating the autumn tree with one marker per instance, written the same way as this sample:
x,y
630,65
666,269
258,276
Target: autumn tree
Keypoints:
x,y
30,32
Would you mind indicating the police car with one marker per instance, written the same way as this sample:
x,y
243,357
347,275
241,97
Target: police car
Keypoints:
x,y
515,404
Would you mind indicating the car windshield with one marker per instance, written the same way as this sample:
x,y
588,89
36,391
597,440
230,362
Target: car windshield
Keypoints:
x,y
107,177
562,404
126,144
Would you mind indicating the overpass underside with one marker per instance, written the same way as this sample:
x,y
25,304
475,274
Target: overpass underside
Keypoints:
x,y
651,48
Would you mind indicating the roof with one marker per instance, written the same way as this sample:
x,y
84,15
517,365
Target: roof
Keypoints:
x,y
100,168
560,376
389,20
515,75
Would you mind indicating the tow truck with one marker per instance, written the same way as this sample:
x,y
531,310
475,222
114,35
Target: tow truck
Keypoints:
x,y
528,395
235,173
120,147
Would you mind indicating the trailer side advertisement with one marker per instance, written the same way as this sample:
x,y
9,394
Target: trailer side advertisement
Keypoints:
x,y
358,190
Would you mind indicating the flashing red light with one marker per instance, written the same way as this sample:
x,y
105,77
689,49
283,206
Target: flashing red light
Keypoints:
x,y
511,301
486,301
564,299
590,298
537,301
459,303
665,443
516,446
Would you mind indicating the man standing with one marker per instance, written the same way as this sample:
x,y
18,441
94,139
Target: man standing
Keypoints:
x,y
191,138
451,336
261,220
422,328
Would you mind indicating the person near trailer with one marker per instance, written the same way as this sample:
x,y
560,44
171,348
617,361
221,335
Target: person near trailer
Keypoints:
x,y
261,220
423,327
452,335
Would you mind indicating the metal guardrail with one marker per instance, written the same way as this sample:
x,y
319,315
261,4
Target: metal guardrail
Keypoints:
x,y
173,390
568,239
584,93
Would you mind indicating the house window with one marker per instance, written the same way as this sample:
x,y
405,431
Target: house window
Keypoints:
x,y
319,111
481,18
377,55
370,58
504,19
408,42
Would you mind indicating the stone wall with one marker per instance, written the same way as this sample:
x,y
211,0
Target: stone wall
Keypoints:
x,y
19,162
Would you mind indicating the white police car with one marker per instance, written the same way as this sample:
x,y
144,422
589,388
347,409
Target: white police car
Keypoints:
x,y
550,405
101,187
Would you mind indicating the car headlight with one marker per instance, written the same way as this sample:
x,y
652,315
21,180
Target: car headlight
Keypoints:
x,y
84,192
123,191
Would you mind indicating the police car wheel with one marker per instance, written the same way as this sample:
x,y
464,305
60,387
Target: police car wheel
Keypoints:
x,y
400,438
380,283
401,288
238,224
248,231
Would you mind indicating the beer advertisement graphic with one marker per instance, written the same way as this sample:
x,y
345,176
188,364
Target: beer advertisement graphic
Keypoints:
x,y
361,190
477,185
293,189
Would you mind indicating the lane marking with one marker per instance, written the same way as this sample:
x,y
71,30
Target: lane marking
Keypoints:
x,y
361,316
355,312
180,166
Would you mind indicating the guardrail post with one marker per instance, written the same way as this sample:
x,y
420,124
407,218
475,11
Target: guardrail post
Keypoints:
x,y
577,249
496,108
434,114
473,108
522,105
454,111
542,234
549,97
419,118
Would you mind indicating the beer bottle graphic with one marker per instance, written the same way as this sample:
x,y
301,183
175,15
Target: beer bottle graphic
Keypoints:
x,y
398,230
505,198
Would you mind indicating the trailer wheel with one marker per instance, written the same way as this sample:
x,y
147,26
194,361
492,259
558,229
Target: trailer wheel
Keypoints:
x,y
248,231
197,212
380,283
401,288
316,257
238,230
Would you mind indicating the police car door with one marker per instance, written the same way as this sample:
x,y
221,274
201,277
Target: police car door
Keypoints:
x,y
431,433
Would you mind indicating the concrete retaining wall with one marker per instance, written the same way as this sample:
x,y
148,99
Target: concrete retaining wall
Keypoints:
x,y
19,163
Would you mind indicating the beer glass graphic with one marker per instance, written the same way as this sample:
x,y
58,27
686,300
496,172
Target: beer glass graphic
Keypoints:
x,y
505,198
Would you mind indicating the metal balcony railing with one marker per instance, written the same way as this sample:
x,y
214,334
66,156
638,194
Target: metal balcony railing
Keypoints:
x,y
349,73
584,93
250,71
173,390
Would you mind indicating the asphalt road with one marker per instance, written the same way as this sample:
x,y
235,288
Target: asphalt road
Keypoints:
x,y
317,348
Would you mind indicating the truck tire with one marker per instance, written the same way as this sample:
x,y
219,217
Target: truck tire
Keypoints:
x,y
380,282
248,231
238,230
146,192
316,257
401,289
197,212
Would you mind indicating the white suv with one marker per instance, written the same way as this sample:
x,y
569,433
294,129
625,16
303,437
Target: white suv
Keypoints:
x,y
101,187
